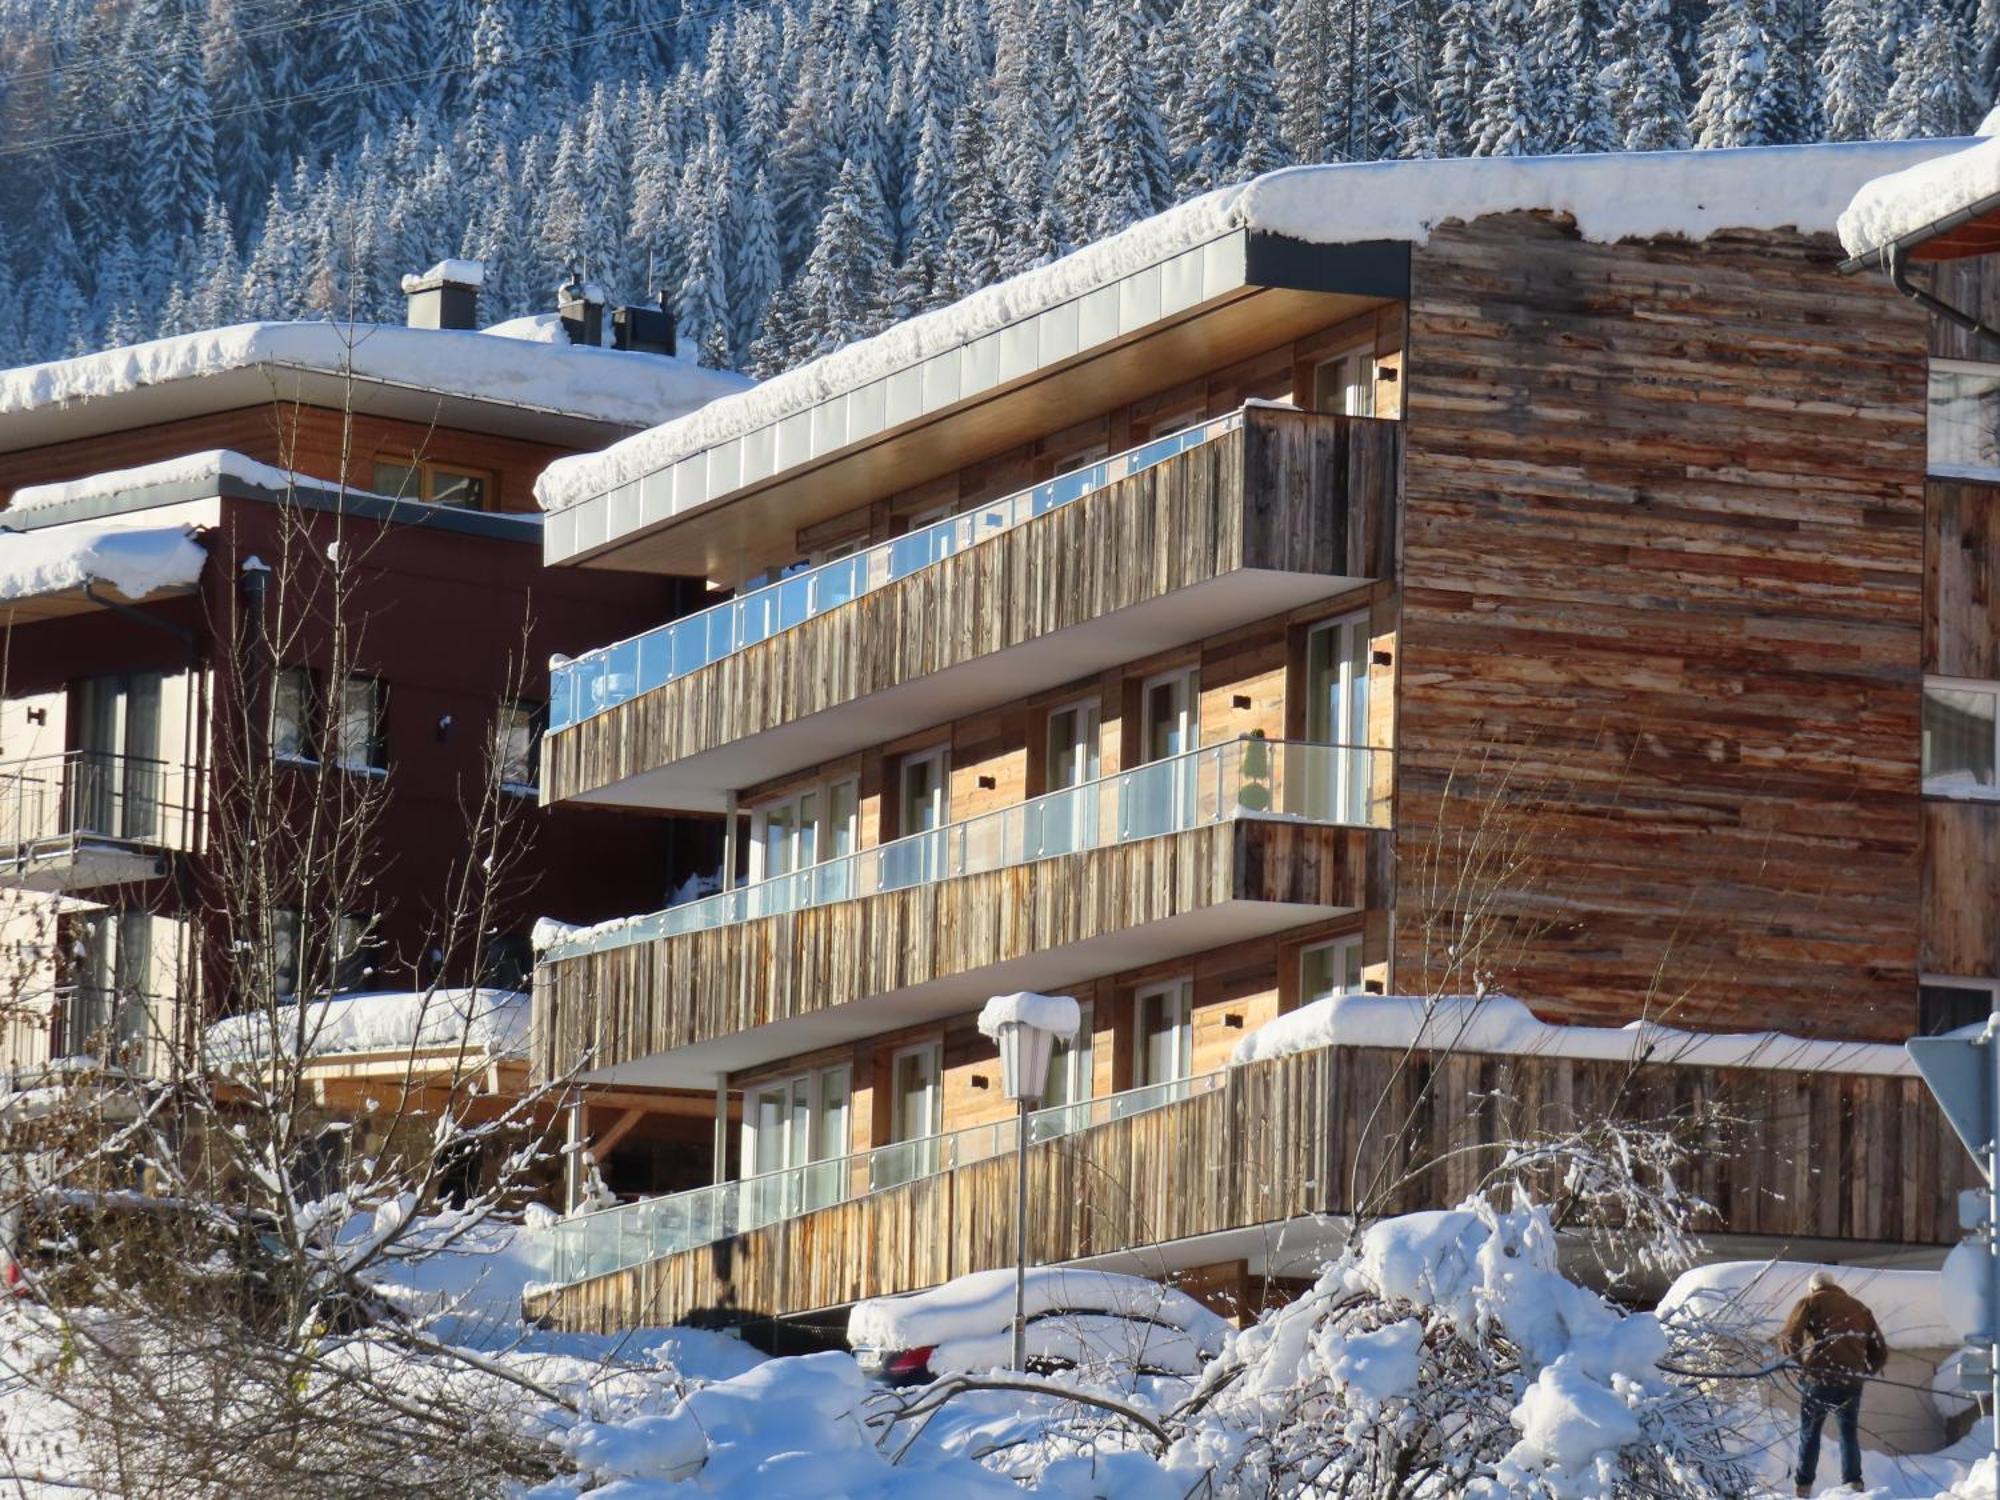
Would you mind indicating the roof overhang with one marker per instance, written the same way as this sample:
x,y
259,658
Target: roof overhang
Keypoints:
x,y
1203,308
1971,230
88,598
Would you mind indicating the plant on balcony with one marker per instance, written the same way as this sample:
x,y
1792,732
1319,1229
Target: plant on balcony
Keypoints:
x,y
1253,786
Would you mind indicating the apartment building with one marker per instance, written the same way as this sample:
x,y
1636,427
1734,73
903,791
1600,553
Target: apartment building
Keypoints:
x,y
1417,578
360,496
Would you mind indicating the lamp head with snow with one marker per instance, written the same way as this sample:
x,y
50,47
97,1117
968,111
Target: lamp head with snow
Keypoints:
x,y
1027,1026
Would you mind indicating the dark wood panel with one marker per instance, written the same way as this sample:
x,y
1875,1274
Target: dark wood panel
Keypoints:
x,y
1961,925
1664,549
652,997
1844,1157
1293,491
1962,580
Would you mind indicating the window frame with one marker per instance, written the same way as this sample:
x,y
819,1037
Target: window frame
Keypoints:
x,y
427,470
1347,942
322,747
1181,990
1367,363
1957,793
537,725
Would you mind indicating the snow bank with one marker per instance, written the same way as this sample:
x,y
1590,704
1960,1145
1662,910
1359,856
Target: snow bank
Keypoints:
x,y
191,468
604,385
1499,1023
1900,203
1756,1296
491,1023
1688,193
135,560
975,1306
1054,1013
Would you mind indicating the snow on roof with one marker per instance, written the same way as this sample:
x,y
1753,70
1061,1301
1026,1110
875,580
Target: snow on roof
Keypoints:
x,y
1888,208
190,468
482,1022
135,560
1611,197
470,273
604,385
982,1303
1756,1296
1502,1024
535,328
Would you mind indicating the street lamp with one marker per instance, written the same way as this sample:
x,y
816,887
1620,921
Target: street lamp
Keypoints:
x,y
1026,1027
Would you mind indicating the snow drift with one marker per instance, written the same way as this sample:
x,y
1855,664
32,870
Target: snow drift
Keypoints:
x,y
483,1023
135,560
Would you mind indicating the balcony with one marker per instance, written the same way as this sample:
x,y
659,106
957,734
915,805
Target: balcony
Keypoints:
x,y
1234,841
1214,1167
90,818
1241,518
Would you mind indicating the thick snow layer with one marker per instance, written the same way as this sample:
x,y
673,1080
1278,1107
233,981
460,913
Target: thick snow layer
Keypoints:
x,y
1053,1013
1900,203
978,1305
488,1023
470,273
1084,1339
1756,1296
135,560
604,385
1688,193
535,328
1499,1023
191,468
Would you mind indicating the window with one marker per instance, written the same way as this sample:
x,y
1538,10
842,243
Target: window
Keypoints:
x,y
112,981
1964,419
517,745
437,484
1059,824
804,829
356,742
1345,384
1165,1050
1330,969
1073,745
799,1123
923,804
1960,751
1071,1080
339,962
1172,714
1946,1003
1337,715
914,1122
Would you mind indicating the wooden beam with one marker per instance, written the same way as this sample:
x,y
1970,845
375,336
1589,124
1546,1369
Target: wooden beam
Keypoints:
x,y
603,1145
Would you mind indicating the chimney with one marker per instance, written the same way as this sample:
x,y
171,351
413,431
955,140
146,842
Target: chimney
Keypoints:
x,y
644,330
581,304
446,296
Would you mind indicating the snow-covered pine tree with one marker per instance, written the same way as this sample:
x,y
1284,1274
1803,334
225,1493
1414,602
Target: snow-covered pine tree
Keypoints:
x,y
1648,102
1305,40
1234,83
1118,170
1742,97
1932,93
494,84
702,317
1853,79
754,273
1571,35
180,173
1465,65
1514,118
843,281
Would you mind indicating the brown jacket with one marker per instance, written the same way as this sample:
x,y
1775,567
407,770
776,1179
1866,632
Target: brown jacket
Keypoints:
x,y
1834,1337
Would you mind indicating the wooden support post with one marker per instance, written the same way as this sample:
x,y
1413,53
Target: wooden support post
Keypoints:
x,y
722,1125
729,844
573,1153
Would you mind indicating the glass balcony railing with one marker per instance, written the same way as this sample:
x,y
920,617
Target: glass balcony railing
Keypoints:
x,y
614,1239
1337,784
615,674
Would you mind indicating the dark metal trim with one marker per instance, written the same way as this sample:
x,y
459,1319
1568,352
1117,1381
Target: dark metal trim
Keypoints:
x,y
1367,268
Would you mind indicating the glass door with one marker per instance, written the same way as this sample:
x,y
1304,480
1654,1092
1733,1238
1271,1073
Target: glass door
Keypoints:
x,y
1071,1082
833,1092
923,806
913,1116
1163,1055
115,775
1345,384
1060,823
1338,788
1161,798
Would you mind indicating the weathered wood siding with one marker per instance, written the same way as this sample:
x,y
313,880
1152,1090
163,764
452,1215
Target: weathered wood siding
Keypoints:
x,y
1814,1156
1292,491
1664,545
625,1003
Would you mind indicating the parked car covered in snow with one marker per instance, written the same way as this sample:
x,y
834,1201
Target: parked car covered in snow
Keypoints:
x,y
1075,1318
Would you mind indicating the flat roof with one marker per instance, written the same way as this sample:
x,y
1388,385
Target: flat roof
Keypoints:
x,y
558,393
1310,233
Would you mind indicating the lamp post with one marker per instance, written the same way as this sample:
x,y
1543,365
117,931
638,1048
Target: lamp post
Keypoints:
x,y
1026,1027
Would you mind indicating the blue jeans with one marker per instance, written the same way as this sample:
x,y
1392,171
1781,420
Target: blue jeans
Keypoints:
x,y
1815,1401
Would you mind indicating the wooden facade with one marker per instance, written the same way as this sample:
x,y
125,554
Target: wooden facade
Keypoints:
x,y
1810,1156
1664,548
1292,492
598,1010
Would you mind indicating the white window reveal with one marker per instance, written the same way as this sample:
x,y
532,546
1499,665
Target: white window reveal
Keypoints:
x,y
1165,1041
1345,384
1964,419
1961,754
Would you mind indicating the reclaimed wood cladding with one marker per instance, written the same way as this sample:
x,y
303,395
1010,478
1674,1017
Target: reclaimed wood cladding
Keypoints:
x,y
630,1002
1664,549
1806,1155
1962,580
1291,491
